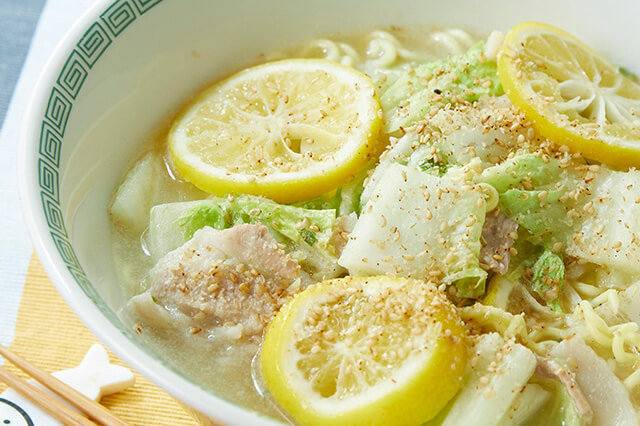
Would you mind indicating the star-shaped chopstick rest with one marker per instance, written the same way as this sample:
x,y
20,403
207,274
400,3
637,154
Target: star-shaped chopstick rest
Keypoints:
x,y
95,378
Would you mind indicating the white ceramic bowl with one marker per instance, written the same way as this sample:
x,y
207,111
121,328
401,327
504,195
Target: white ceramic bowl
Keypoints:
x,y
127,63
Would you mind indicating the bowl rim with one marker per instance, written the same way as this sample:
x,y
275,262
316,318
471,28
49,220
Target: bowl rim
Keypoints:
x,y
172,382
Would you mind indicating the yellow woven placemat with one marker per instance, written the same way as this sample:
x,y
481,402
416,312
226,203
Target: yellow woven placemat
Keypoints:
x,y
48,334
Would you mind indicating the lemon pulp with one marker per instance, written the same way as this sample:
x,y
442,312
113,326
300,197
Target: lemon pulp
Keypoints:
x,y
573,95
356,350
289,130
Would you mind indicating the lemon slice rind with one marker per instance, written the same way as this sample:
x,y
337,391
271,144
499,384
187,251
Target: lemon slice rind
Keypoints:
x,y
416,390
578,112
355,138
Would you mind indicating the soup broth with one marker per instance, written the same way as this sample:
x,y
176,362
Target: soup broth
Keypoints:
x,y
219,366
424,204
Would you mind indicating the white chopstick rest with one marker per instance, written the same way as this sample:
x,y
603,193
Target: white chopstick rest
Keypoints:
x,y
95,378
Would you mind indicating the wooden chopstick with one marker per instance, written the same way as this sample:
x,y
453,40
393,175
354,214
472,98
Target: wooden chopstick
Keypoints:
x,y
91,408
44,400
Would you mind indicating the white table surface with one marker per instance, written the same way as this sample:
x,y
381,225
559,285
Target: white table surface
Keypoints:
x,y
15,246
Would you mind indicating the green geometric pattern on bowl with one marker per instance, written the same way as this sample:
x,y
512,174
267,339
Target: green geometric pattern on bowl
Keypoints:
x,y
87,52
92,45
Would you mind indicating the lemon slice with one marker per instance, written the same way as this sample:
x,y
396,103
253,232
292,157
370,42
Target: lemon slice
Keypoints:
x,y
573,95
288,130
365,350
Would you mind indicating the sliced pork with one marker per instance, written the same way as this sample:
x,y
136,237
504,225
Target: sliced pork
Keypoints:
x,y
604,392
498,235
238,276
549,368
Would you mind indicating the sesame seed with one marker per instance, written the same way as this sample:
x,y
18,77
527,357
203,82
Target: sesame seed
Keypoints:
x,y
471,221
